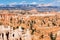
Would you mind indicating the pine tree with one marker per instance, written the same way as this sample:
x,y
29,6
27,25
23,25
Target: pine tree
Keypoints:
x,y
53,37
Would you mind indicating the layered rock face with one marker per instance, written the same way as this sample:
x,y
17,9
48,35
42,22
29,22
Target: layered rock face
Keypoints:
x,y
21,25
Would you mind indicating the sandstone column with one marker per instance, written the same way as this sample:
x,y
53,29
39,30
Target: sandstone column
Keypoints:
x,y
5,38
28,35
1,37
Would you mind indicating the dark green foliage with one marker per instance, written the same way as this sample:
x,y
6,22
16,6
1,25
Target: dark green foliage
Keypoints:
x,y
17,27
31,24
43,21
20,21
51,36
11,20
22,28
54,24
33,30
13,28
42,36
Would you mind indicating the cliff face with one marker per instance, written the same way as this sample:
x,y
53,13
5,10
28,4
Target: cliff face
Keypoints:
x,y
6,15
39,24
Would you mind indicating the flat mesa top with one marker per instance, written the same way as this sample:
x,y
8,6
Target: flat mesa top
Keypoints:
x,y
29,13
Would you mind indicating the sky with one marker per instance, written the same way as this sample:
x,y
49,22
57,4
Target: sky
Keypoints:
x,y
40,2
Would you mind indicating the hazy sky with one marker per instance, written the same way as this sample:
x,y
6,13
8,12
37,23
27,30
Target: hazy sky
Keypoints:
x,y
44,2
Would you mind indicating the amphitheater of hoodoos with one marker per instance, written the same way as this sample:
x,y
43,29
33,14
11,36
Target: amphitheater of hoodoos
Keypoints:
x,y
38,26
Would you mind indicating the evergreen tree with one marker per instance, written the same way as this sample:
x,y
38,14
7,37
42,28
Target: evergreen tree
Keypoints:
x,y
53,37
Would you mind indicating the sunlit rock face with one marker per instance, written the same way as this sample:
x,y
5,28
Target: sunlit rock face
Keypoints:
x,y
17,34
29,25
